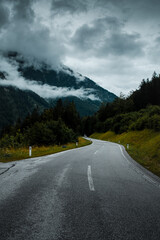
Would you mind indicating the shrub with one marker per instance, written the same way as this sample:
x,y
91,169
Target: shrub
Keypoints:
x,y
154,122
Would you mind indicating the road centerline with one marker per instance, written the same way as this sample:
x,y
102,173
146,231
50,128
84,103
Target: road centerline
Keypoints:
x,y
90,179
96,152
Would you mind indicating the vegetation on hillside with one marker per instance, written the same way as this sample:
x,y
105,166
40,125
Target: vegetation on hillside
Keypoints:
x,y
134,120
139,111
55,126
15,103
62,124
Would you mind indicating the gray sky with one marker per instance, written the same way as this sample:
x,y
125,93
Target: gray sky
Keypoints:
x,y
116,43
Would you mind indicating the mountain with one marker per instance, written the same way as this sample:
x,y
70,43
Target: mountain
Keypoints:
x,y
88,104
26,84
16,103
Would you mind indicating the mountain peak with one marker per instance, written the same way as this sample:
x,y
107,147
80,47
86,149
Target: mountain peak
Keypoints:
x,y
42,84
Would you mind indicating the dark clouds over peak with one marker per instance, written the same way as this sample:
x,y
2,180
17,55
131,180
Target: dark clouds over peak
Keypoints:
x,y
22,33
94,37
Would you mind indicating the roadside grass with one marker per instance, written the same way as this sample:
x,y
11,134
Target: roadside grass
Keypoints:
x,y
144,146
12,154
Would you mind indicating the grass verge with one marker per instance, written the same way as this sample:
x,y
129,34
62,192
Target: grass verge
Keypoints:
x,y
8,155
144,146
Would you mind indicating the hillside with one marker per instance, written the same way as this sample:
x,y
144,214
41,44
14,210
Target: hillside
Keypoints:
x,y
94,95
139,111
66,78
16,103
25,85
134,120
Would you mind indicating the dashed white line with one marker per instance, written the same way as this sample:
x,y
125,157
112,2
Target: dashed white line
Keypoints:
x,y
90,179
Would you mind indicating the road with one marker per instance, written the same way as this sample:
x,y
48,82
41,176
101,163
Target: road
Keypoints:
x,y
96,192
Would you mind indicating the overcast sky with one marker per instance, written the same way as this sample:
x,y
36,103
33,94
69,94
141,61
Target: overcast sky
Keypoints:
x,y
116,43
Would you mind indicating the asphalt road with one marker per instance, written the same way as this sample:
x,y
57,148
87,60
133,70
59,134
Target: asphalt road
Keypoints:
x,y
95,192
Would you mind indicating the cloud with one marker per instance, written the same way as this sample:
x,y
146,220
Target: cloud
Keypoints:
x,y
78,76
123,44
22,10
36,43
105,36
70,6
28,37
14,78
4,15
153,51
93,37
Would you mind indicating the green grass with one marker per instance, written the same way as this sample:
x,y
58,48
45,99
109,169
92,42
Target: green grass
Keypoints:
x,y
7,155
144,146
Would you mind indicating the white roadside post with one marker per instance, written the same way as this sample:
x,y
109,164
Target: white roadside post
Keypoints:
x,y
76,144
127,146
30,151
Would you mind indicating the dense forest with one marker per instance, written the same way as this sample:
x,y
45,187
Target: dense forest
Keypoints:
x,y
62,124
55,126
140,110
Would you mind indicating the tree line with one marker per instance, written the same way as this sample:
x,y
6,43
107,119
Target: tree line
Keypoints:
x,y
140,110
54,126
62,124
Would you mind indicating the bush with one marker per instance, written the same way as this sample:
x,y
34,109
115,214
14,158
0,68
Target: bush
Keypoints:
x,y
13,141
40,134
140,124
154,122
50,133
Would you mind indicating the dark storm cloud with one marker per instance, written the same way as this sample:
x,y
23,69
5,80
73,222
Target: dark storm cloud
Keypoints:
x,y
22,10
148,5
157,40
4,15
17,9
154,50
34,44
70,6
105,36
87,36
94,37
27,36
122,44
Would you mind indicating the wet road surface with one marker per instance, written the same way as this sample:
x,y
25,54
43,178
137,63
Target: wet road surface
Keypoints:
x,y
95,192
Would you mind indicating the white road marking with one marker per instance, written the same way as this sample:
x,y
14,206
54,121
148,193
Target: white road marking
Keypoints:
x,y
149,179
90,179
123,153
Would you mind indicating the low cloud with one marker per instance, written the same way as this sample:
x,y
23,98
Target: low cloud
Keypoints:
x,y
78,76
14,78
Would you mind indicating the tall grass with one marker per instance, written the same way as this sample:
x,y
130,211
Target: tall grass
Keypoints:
x,y
144,146
12,154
